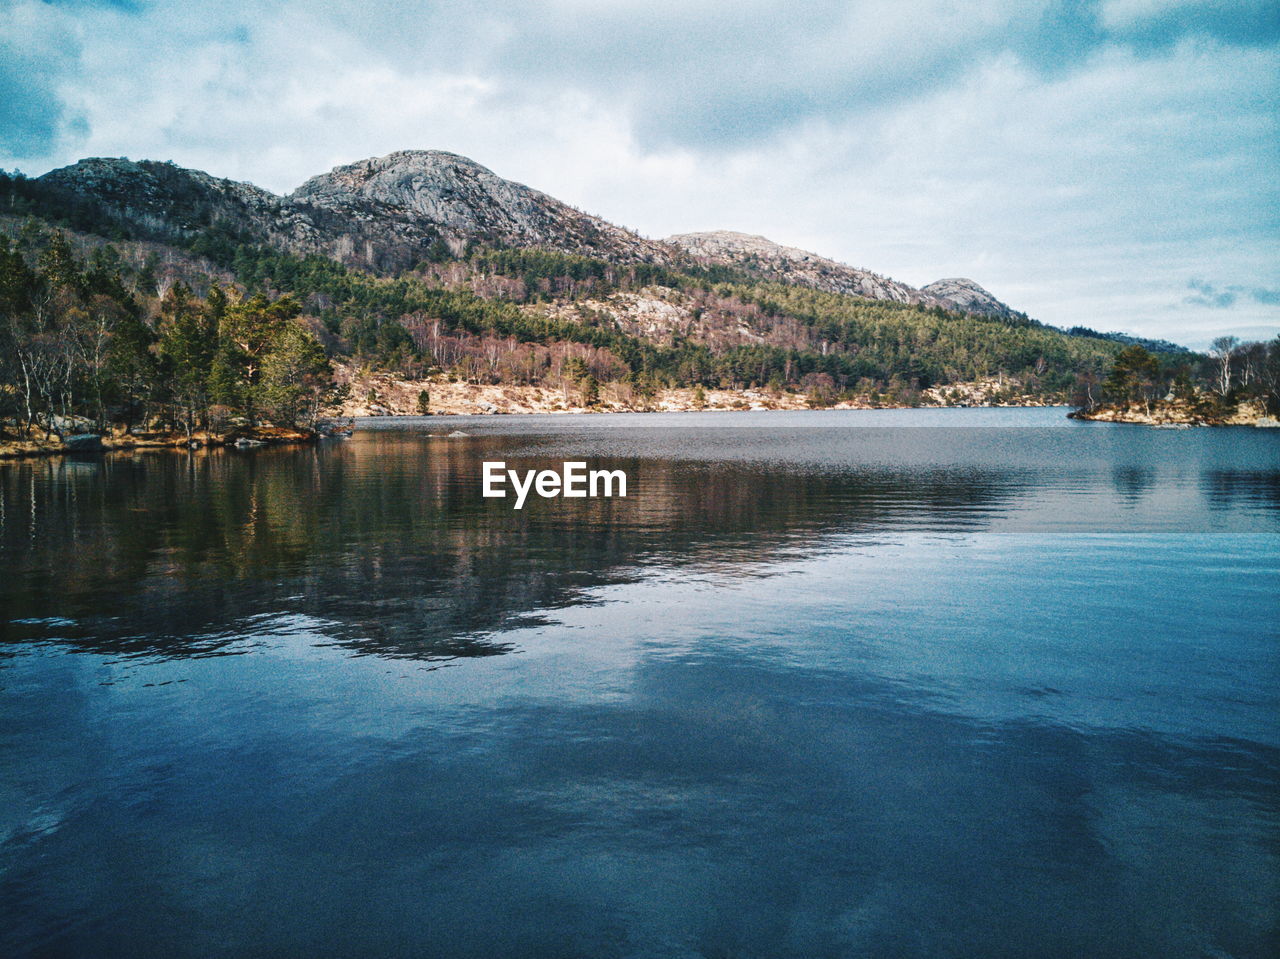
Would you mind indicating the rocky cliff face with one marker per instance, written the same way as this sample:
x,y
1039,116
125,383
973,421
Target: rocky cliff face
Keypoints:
x,y
968,296
417,195
787,264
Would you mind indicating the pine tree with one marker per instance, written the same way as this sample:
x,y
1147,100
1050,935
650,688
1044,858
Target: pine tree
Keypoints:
x,y
187,343
1133,377
590,389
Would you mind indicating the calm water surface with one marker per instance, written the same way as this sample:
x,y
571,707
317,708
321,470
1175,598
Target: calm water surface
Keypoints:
x,y
909,683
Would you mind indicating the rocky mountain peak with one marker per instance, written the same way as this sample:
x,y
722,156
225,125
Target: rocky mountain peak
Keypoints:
x,y
458,199
731,245
164,199
129,183
967,295
406,178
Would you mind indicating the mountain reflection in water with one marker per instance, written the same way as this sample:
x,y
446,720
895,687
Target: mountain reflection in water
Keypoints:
x,y
821,684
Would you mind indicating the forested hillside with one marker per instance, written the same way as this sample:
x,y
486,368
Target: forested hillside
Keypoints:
x,y
141,293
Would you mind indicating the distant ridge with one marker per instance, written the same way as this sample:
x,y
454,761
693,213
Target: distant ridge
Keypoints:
x,y
789,264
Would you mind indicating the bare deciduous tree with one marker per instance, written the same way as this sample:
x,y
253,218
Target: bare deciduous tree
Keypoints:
x,y
1223,350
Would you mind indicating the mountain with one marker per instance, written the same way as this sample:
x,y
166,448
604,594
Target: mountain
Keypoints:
x,y
787,264
159,198
387,214
383,214
430,266
428,194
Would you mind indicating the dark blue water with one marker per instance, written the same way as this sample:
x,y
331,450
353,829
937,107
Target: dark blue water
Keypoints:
x,y
955,683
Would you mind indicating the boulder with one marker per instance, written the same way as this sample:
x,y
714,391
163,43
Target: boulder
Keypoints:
x,y
68,424
84,443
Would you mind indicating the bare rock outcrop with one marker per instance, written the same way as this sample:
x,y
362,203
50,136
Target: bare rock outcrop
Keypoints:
x,y
429,194
788,264
766,259
968,296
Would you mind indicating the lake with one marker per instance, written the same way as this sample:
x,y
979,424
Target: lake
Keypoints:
x,y
885,683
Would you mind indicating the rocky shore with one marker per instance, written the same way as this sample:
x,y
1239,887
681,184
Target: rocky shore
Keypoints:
x,y
384,394
387,396
1176,413
245,437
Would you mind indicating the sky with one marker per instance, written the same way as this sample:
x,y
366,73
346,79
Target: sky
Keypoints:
x,y
1106,163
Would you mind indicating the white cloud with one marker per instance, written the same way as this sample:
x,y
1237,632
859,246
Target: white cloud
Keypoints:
x,y
1084,195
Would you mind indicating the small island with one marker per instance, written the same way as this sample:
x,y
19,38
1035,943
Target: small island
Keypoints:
x,y
1237,384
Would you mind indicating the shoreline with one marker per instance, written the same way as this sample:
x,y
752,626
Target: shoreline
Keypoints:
x,y
95,444
1164,416
18,448
376,393
1179,415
